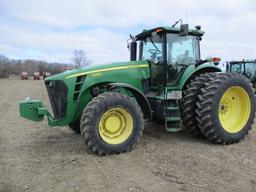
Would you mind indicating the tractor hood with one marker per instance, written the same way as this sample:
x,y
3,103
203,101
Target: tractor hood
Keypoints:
x,y
97,69
69,91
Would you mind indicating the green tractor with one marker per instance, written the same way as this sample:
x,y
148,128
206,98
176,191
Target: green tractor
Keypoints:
x,y
245,67
168,82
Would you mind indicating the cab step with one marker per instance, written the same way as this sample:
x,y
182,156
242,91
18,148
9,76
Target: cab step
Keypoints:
x,y
172,108
173,126
172,119
172,116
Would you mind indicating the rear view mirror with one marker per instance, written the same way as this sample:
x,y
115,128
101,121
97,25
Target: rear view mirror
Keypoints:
x,y
227,67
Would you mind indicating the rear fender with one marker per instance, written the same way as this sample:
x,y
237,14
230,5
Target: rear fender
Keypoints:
x,y
191,74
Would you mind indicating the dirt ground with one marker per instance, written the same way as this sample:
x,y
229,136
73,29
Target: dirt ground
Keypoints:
x,y
35,157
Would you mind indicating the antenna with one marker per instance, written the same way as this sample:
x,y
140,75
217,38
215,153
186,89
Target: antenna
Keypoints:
x,y
177,23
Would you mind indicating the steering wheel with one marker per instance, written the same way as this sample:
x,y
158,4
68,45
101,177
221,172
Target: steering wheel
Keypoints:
x,y
154,51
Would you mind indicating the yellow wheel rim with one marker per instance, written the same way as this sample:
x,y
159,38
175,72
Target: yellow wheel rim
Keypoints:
x,y
115,126
234,109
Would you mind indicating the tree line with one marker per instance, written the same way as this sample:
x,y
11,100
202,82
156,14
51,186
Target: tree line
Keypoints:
x,y
15,66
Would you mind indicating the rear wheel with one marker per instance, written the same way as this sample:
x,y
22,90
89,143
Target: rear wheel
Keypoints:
x,y
190,97
111,124
254,85
226,108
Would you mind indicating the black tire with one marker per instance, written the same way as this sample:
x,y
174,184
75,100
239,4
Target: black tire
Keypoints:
x,y
254,85
208,105
91,117
188,104
75,126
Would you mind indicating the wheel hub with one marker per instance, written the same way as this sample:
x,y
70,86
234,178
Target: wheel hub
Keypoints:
x,y
115,126
112,124
225,107
234,109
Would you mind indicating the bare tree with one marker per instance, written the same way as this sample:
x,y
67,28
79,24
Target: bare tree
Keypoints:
x,y
80,58
4,67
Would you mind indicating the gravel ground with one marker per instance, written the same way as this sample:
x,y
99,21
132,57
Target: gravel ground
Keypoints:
x,y
35,157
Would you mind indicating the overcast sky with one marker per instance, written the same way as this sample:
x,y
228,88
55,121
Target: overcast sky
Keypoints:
x,y
51,29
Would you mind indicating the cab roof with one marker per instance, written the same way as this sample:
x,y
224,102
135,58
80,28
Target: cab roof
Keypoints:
x,y
169,29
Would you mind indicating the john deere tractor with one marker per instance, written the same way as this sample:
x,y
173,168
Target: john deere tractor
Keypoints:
x,y
245,67
167,82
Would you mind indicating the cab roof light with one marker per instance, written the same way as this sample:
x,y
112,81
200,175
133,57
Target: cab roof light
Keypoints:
x,y
158,30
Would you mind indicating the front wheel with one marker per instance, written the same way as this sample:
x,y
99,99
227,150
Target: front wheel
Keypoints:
x,y
75,127
111,123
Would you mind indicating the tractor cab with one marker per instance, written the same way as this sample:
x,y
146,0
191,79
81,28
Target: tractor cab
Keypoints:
x,y
173,54
169,50
245,67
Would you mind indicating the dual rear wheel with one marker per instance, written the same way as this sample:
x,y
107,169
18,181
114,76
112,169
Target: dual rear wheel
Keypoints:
x,y
219,106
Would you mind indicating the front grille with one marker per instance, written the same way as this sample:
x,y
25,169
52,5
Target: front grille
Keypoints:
x,y
57,91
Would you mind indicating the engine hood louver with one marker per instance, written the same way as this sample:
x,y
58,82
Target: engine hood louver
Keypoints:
x,y
78,86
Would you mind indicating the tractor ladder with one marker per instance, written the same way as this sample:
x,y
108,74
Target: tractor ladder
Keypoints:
x,y
172,116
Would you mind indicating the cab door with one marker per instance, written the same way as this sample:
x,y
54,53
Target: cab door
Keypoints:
x,y
153,50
